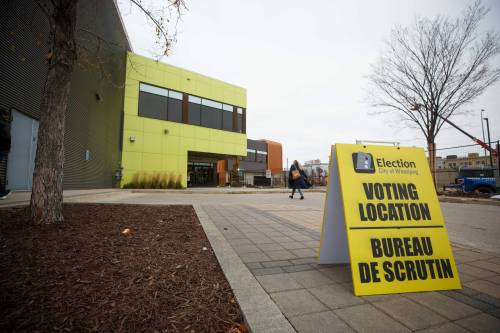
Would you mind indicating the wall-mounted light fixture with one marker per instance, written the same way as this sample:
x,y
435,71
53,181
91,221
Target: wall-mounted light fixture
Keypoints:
x,y
131,138
165,131
98,97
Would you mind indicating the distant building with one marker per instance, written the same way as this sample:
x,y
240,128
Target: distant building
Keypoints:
x,y
263,156
454,162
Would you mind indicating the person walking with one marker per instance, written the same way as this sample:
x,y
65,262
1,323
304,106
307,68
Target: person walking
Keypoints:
x,y
5,120
296,179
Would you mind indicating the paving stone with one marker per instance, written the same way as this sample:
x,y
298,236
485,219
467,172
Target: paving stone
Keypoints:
x,y
302,261
261,240
266,271
270,247
443,305
302,238
381,298
283,239
469,300
298,268
495,312
338,273
481,323
474,271
467,291
488,299
367,318
446,328
297,302
475,254
494,279
253,257
276,263
334,296
310,279
489,266
303,253
278,282
239,241
311,244
411,314
245,248
466,277
280,255
485,287
320,322
459,259
252,265
495,260
292,245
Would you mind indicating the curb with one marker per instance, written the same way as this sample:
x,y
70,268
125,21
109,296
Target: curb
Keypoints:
x,y
261,314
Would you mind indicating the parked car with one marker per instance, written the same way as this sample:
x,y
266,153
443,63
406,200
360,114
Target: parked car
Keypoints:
x,y
480,180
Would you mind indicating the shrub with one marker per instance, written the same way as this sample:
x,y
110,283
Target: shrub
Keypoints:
x,y
171,181
178,182
163,180
156,179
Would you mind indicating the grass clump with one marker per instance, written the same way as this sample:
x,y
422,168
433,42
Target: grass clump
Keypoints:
x,y
155,180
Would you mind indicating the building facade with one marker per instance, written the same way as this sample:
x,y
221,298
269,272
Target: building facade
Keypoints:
x,y
179,122
92,133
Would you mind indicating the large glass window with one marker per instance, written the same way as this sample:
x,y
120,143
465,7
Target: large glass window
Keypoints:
x,y
152,105
211,114
160,103
227,117
175,106
239,120
194,110
164,104
251,155
261,156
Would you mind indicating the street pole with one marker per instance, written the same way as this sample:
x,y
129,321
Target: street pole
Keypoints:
x,y
482,128
489,139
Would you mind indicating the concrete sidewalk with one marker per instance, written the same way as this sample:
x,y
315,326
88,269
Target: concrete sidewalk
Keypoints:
x,y
278,245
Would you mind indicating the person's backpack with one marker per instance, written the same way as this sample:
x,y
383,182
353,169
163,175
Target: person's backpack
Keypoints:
x,y
295,174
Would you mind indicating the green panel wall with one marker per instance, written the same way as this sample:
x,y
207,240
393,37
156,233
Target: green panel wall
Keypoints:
x,y
151,145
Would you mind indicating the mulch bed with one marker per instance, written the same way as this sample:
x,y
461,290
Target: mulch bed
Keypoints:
x,y
85,275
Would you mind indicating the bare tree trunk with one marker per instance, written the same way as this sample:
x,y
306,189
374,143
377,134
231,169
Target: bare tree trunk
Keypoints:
x,y
431,147
47,192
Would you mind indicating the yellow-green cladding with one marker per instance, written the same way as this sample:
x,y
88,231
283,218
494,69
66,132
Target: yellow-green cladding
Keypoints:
x,y
147,146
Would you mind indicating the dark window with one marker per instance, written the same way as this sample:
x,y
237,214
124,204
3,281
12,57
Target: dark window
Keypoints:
x,y
262,158
174,110
239,123
227,117
194,110
152,106
251,155
211,117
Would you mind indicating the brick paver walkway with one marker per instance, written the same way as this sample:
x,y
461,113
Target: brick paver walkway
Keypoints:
x,y
278,243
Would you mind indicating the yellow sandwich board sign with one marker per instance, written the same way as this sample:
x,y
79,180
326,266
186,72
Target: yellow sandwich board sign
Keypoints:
x,y
383,216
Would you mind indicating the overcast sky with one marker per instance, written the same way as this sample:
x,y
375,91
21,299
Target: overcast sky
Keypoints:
x,y
304,65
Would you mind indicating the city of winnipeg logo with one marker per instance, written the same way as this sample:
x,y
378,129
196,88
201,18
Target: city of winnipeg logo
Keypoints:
x,y
363,162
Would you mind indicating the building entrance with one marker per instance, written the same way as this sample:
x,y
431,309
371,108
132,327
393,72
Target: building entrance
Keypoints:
x,y
201,174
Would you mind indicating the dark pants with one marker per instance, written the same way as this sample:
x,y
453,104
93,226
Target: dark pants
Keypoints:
x,y
3,172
